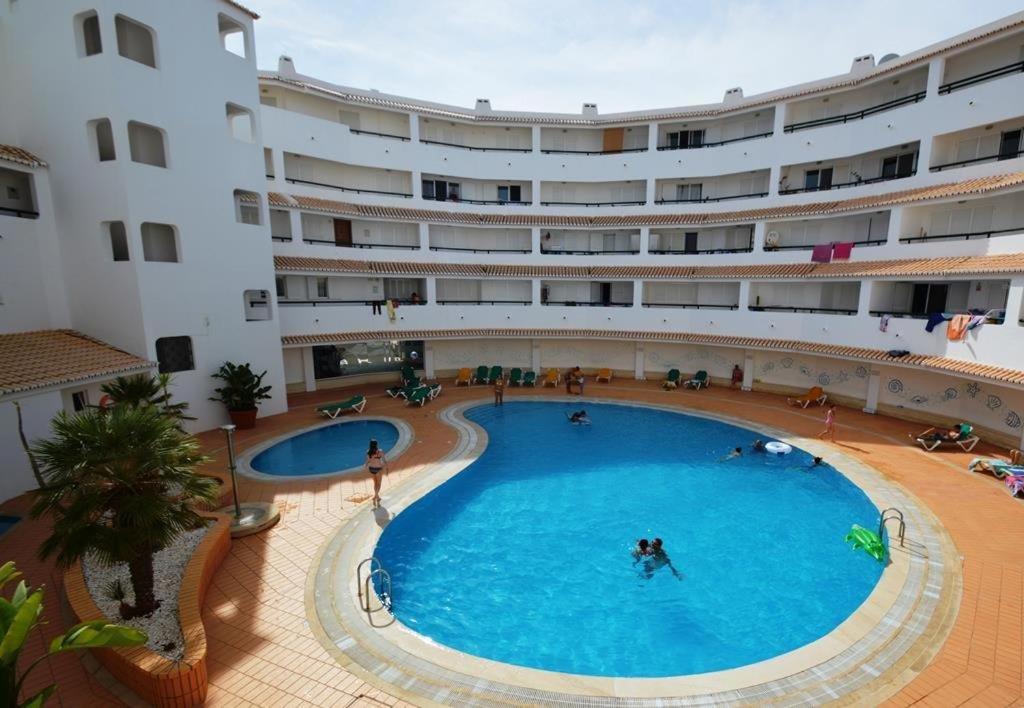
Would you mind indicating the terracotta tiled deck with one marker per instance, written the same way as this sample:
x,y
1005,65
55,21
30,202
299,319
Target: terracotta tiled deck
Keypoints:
x,y
262,651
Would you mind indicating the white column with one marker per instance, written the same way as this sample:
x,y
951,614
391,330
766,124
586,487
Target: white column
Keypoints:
x,y
780,119
652,137
308,373
431,295
936,68
1014,302
639,370
535,239
295,220
414,127
424,236
744,296
760,228
895,226
645,240
864,298
535,189
874,383
417,185
651,194
535,292
535,137
748,371
428,359
638,294
535,356
277,160
774,175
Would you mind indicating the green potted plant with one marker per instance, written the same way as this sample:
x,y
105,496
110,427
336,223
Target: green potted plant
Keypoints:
x,y
241,393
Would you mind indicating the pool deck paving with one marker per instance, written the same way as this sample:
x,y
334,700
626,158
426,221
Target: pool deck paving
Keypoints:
x,y
262,651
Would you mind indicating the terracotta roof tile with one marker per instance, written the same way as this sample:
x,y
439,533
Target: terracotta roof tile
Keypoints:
x,y
1008,263
947,190
243,8
932,363
33,360
9,153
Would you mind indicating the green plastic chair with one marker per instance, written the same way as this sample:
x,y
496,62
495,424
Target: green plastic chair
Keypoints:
x,y
418,396
481,375
529,379
515,377
673,376
495,374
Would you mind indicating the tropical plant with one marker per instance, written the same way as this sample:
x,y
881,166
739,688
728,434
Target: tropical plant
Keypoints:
x,y
145,390
242,389
120,485
19,619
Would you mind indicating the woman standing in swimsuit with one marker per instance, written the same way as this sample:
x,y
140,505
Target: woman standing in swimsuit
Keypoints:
x,y
830,424
376,463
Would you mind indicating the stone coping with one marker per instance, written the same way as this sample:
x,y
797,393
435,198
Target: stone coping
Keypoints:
x,y
876,650
244,461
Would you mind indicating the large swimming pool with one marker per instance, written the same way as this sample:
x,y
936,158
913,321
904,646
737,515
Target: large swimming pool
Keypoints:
x,y
524,556
331,448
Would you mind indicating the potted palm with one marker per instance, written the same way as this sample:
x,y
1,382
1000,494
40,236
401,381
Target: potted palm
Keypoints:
x,y
119,484
241,393
144,390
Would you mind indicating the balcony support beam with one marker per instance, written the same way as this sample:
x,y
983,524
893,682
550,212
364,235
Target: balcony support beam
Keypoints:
x,y
639,363
748,370
874,385
308,372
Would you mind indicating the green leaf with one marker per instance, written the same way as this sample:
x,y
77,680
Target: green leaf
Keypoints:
x,y
20,593
23,622
96,634
40,698
8,573
7,612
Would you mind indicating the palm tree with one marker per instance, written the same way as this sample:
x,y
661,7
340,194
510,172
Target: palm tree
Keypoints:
x,y
145,390
119,484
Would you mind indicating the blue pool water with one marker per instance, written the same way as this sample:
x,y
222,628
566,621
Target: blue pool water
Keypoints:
x,y
524,557
329,449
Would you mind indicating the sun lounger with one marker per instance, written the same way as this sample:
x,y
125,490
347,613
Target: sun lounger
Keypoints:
x,y
813,395
529,379
333,410
552,377
481,375
935,437
699,380
515,377
494,374
604,375
418,396
395,391
672,377
465,376
996,467
433,390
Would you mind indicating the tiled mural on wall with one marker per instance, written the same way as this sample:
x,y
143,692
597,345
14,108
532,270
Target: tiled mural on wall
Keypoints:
x,y
970,400
564,353
457,354
847,378
717,362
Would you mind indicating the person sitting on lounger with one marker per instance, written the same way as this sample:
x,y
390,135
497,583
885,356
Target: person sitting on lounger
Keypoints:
x,y
951,435
580,418
737,452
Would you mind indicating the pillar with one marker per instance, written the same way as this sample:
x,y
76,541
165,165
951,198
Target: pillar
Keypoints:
x,y
645,240
638,294
639,366
431,294
535,292
535,356
1014,301
535,138
535,239
308,372
874,384
864,299
428,359
424,236
651,194
780,119
414,127
535,191
760,229
744,304
895,226
295,224
748,370
652,137
936,68
417,185
774,176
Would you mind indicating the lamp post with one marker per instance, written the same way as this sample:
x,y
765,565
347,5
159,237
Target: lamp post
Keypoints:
x,y
229,433
258,515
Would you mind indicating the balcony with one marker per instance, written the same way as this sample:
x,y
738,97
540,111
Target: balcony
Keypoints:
x,y
16,194
479,138
360,120
804,234
986,62
840,108
594,194
988,143
593,141
476,191
472,239
920,300
590,243
721,188
691,296
842,172
705,134
724,239
828,298
318,229
348,291
484,292
574,293
965,220
354,179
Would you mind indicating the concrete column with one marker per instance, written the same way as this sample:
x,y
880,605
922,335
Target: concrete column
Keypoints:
x,y
431,297
652,137
874,383
535,137
1014,302
414,127
535,356
864,299
535,292
428,359
760,229
535,190
895,226
645,240
535,239
424,236
639,366
936,68
651,194
277,160
748,371
295,219
780,119
774,175
417,185
744,295
638,294
308,373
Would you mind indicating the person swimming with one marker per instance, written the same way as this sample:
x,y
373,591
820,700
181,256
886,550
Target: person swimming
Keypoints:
x,y
580,417
737,452
817,461
758,446
643,548
658,558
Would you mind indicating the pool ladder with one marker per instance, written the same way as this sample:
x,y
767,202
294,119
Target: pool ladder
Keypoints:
x,y
363,588
890,514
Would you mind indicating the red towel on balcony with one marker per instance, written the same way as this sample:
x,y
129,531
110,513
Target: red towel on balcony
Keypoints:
x,y
841,251
822,253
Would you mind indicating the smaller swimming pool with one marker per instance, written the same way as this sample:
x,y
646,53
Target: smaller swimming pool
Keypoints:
x,y
325,450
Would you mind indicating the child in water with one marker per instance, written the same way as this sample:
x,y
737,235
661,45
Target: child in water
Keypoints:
x,y
580,418
654,557
737,452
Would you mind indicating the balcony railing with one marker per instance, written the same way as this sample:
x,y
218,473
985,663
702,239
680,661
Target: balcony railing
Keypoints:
x,y
809,247
812,310
691,305
326,302
703,200
594,152
473,147
842,185
281,239
716,143
332,242
584,303
484,302
1015,68
20,213
481,250
354,190
976,160
855,115
699,251
593,204
499,202
560,252
991,319
966,236
379,135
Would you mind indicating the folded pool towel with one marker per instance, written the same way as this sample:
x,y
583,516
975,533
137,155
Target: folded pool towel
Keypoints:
x,y
822,253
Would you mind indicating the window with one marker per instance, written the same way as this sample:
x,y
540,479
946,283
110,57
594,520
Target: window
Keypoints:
x,y
103,139
257,305
87,34
365,358
1009,144
689,192
79,400
268,162
118,240
159,243
818,179
898,166
174,354
281,283
240,122
135,41
440,190
16,194
321,287
146,144
247,207
509,193
232,36
686,139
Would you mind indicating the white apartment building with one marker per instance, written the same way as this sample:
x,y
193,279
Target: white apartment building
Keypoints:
x,y
265,216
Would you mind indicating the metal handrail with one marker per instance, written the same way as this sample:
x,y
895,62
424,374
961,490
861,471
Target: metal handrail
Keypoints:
x,y
385,596
359,579
841,185
681,252
966,236
855,115
379,135
474,147
898,515
755,195
986,158
594,204
354,190
481,250
20,213
716,143
1015,68
593,152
